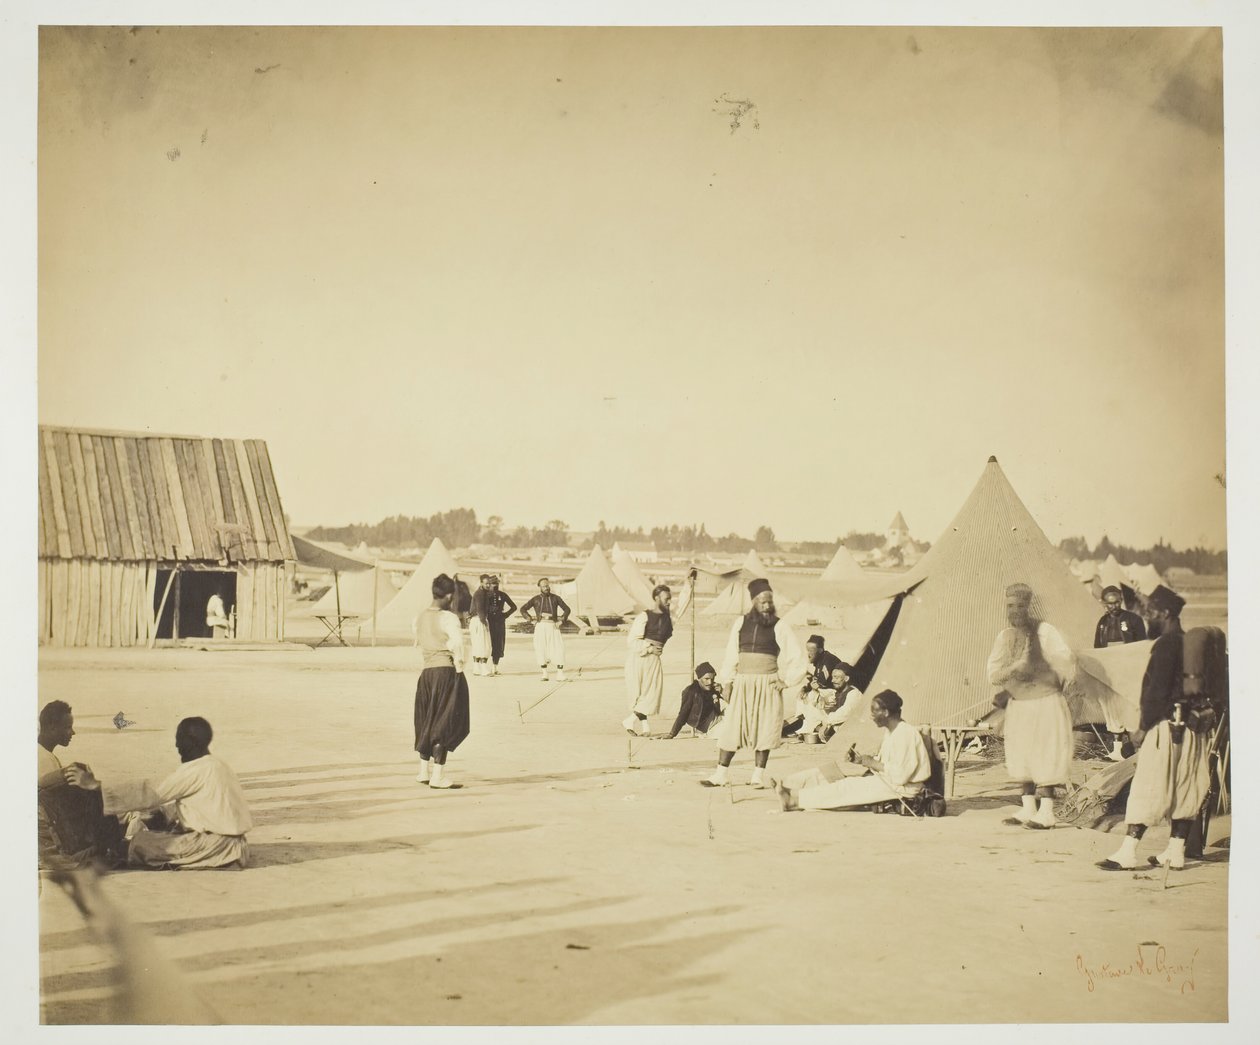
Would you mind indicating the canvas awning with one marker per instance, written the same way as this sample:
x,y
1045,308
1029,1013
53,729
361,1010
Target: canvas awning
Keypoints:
x,y
311,554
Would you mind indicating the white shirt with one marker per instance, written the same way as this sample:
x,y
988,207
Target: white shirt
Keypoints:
x,y
904,758
793,663
46,764
202,795
1056,652
215,612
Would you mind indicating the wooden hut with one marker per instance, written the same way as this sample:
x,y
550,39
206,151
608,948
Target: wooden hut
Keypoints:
x,y
137,531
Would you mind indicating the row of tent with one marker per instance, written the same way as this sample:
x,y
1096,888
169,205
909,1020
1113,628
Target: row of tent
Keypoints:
x,y
366,589
1142,579
925,633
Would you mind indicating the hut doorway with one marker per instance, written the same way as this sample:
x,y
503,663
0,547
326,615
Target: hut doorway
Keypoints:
x,y
184,615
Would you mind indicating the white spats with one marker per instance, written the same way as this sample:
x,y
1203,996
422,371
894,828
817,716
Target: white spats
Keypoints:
x,y
423,776
717,778
1126,855
758,779
635,725
1174,854
439,779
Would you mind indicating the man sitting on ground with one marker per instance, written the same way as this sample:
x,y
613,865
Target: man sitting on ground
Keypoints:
x,y
73,829
701,703
201,816
900,771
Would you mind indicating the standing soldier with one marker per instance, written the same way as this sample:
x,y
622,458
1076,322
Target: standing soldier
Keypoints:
x,y
1116,627
550,614
763,657
1172,775
645,679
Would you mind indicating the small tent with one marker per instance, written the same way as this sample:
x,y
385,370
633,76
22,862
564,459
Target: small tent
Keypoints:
x,y
1143,579
628,574
842,567
596,591
397,615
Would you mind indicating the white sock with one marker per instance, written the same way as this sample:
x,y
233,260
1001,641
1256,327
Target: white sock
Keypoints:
x,y
438,773
1126,855
719,775
1045,813
756,776
1028,807
423,776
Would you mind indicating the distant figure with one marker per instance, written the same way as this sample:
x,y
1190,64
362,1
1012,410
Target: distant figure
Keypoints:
x,y
499,606
550,614
1116,627
900,769
199,814
1034,665
763,657
441,711
645,679
1173,774
216,617
479,628
701,703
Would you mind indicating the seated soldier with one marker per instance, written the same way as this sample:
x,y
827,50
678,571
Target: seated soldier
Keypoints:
x,y
701,703
900,771
73,829
201,816
826,707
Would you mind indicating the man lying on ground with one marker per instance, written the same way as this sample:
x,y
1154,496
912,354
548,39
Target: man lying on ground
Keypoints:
x,y
73,828
900,770
201,815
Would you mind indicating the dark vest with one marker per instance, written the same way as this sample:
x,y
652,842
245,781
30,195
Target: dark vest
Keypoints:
x,y
659,627
756,637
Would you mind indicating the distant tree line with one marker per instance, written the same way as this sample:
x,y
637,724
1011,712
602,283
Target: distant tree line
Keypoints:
x,y
459,527
1161,555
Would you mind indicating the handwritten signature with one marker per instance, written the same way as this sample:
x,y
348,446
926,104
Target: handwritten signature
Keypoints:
x,y
1152,962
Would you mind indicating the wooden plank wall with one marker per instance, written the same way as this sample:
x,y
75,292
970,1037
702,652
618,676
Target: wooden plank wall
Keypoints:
x,y
87,602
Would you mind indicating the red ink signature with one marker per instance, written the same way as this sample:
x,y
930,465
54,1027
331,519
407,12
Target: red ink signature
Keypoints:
x,y
1152,962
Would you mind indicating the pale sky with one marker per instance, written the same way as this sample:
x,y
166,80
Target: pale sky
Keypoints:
x,y
540,274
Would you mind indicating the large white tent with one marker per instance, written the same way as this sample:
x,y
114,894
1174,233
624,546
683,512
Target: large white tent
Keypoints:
x,y
397,616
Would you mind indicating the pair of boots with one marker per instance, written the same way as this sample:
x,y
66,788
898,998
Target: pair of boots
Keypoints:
x,y
433,774
484,667
635,725
1033,815
718,779
559,673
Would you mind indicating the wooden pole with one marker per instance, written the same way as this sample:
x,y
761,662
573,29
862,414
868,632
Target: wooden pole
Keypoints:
x,y
376,580
161,606
175,621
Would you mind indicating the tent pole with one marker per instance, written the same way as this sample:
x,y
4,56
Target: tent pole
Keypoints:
x,y
337,595
376,579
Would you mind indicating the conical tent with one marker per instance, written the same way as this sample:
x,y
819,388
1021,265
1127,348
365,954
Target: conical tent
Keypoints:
x,y
1111,572
939,635
753,567
628,574
842,566
398,615
596,589
734,598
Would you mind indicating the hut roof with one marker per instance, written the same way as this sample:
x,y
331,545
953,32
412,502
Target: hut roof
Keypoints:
x,y
137,496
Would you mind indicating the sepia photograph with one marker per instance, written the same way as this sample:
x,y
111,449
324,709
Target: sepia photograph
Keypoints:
x,y
631,520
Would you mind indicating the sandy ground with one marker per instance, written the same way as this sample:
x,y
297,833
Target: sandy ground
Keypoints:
x,y
577,877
